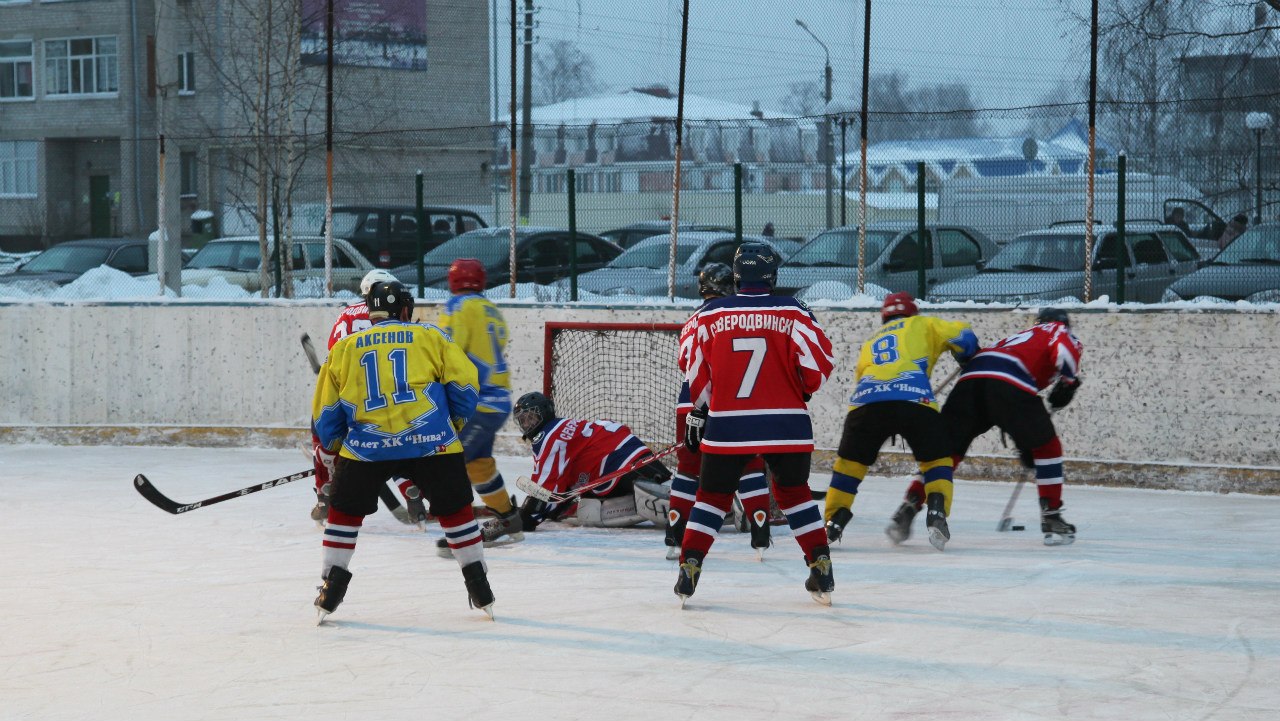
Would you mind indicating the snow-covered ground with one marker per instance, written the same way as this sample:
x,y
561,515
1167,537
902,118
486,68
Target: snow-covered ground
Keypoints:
x,y
1164,609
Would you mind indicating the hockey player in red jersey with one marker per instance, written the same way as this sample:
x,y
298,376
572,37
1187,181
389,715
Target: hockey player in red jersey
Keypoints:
x,y
354,318
571,452
714,281
755,361
999,388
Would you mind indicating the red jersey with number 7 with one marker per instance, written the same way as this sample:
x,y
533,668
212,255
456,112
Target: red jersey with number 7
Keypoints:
x,y
753,361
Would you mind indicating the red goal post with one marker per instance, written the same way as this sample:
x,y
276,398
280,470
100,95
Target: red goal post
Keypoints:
x,y
623,372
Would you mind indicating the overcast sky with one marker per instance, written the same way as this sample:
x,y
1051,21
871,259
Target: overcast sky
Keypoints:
x,y
1012,52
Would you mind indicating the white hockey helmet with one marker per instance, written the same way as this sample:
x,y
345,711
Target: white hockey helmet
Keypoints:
x,y
377,275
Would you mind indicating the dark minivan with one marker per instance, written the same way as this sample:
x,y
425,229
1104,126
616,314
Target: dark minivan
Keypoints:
x,y
388,234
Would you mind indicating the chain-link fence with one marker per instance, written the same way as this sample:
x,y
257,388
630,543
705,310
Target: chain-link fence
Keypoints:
x,y
946,199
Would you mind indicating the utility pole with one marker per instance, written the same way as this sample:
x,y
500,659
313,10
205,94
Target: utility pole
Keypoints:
x,y
526,129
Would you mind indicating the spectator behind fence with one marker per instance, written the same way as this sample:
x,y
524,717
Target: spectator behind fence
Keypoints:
x,y
768,230
1233,231
1178,218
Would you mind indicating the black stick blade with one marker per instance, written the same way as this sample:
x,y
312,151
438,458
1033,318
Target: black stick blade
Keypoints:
x,y
158,499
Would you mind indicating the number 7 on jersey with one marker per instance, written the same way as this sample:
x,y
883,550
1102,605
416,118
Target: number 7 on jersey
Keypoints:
x,y
757,347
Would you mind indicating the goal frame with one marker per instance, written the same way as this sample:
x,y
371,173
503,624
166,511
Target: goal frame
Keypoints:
x,y
550,328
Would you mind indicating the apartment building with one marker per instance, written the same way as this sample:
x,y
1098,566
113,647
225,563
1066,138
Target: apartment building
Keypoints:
x,y
87,87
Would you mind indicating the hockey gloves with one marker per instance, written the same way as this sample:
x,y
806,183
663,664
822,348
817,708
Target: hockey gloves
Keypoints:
x,y
1062,393
326,459
695,425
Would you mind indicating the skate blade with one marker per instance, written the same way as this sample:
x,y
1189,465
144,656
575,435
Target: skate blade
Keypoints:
x,y
683,601
488,610
673,553
321,615
823,597
938,539
760,555
505,540
896,535
1056,539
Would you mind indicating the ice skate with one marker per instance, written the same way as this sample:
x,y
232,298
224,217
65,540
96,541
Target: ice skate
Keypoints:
x,y
503,528
1057,532
836,526
320,511
760,534
821,581
415,508
936,521
687,581
674,535
332,592
899,528
479,594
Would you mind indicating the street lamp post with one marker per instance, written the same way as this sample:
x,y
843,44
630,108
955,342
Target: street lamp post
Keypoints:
x,y
826,119
842,111
1258,123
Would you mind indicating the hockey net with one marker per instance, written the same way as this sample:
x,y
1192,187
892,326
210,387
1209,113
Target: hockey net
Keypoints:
x,y
623,372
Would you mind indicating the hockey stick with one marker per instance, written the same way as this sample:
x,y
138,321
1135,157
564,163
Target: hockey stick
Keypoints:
x,y
312,357
1006,519
545,494
164,503
951,377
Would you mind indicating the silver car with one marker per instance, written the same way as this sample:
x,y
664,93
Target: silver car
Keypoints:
x,y
236,260
1048,265
893,257
642,269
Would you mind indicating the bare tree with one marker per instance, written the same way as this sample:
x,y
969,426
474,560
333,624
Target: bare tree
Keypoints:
x,y
901,111
562,72
804,98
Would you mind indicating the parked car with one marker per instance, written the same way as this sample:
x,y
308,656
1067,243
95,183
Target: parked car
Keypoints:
x,y
236,260
642,270
1047,265
629,235
892,257
67,261
388,234
1248,269
542,256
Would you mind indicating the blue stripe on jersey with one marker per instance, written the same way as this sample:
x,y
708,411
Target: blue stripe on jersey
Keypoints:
x,y
623,453
761,426
993,363
683,398
913,386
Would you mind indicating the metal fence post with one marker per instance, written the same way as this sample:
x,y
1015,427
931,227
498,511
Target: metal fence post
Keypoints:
x,y
421,215
920,230
1122,250
573,237
737,202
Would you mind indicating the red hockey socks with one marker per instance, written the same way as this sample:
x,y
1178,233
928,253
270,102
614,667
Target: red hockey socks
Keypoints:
x,y
705,520
803,516
1048,460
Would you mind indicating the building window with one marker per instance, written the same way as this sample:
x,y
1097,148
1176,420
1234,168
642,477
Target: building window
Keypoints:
x,y
15,70
17,169
190,175
186,73
81,66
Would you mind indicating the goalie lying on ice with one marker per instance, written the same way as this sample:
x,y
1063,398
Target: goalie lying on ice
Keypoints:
x,y
569,453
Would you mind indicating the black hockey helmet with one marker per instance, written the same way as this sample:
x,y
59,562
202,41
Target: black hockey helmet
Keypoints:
x,y
715,279
387,298
1053,315
532,413
755,263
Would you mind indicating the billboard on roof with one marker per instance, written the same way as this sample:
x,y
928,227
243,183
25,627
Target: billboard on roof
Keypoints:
x,y
368,33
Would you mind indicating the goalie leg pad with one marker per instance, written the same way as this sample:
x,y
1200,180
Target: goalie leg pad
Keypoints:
x,y
652,500
617,512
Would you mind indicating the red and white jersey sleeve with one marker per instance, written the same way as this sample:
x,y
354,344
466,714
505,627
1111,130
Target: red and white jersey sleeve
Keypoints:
x,y
753,361
1031,360
572,453
683,359
353,318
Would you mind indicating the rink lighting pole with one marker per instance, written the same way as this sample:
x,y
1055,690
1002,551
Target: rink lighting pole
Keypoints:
x,y
826,119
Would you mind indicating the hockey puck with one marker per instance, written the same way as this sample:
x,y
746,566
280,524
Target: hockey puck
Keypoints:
x,y
1019,528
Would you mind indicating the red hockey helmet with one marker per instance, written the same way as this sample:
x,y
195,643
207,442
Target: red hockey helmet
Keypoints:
x,y
899,304
466,274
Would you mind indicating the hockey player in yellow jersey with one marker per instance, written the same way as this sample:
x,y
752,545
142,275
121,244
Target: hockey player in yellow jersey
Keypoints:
x,y
477,326
893,395
389,402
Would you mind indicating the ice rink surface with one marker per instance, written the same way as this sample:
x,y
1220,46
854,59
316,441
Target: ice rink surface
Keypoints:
x,y
1166,608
